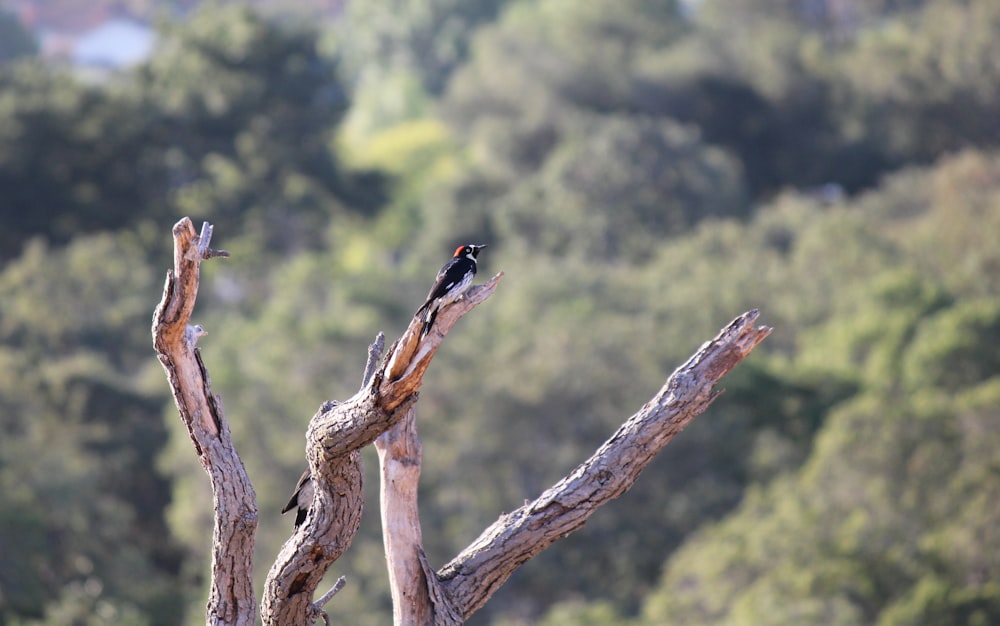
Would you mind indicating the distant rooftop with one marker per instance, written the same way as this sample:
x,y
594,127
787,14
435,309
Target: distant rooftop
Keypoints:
x,y
115,43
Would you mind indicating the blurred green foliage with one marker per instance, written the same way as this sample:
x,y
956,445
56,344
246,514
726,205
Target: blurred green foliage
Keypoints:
x,y
643,172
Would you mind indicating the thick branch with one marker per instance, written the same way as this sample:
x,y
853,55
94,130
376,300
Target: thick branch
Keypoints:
x,y
416,594
334,439
231,598
477,572
334,519
417,597
400,455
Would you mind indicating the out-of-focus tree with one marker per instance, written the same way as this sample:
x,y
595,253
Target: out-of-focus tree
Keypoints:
x,y
558,54
83,499
247,113
73,159
233,118
429,37
879,524
833,91
552,146
927,82
617,186
400,57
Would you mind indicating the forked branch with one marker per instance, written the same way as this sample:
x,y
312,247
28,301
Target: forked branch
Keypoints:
x,y
382,412
334,440
451,595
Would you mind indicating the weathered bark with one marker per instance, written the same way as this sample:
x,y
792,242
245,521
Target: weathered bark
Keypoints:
x,y
400,455
416,596
461,587
231,598
382,412
334,439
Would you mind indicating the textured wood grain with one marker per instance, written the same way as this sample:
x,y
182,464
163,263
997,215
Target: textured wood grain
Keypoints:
x,y
334,438
381,412
477,572
449,596
231,597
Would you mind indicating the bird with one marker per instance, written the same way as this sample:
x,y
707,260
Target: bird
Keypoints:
x,y
301,500
451,282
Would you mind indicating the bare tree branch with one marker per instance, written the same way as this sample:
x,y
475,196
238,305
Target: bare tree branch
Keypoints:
x,y
334,590
381,412
334,439
478,571
231,598
450,596
375,351
400,456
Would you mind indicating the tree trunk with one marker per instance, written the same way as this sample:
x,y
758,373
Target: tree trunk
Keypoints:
x,y
334,439
383,412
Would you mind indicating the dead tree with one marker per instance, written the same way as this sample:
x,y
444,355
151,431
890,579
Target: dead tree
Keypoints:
x,y
382,413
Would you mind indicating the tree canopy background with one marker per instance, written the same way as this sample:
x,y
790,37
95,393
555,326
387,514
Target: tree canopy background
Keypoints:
x,y
642,171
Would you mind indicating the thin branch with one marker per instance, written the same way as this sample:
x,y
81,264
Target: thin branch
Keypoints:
x,y
318,605
375,351
231,598
416,594
337,586
211,254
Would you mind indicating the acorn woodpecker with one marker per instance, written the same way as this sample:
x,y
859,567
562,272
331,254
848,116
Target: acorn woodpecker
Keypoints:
x,y
451,282
301,500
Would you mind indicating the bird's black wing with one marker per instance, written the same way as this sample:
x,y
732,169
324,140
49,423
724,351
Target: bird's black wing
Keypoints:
x,y
294,500
442,283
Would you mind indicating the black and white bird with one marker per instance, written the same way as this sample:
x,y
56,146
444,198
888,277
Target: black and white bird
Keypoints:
x,y
301,500
452,281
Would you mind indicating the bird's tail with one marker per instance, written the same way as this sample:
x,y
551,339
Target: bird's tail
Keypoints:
x,y
300,516
428,322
